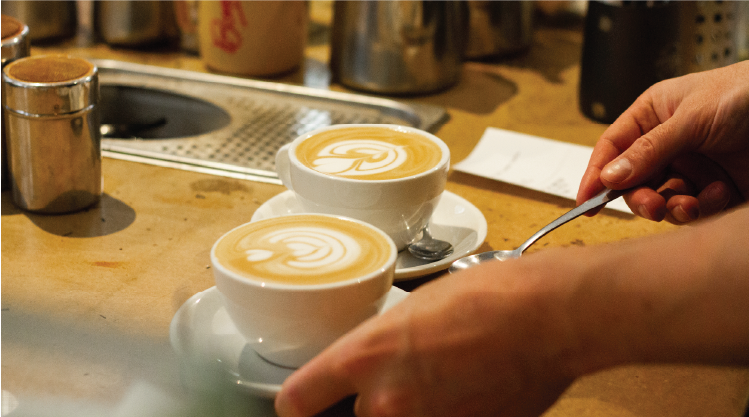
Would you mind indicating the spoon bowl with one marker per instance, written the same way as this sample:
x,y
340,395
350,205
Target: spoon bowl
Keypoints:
x,y
473,260
600,199
428,248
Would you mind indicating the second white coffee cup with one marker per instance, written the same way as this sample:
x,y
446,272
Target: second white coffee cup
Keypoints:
x,y
294,284
390,176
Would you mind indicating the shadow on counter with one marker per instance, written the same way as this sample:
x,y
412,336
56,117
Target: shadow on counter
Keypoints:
x,y
109,216
555,48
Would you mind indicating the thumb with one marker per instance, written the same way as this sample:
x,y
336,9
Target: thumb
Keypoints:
x,y
647,155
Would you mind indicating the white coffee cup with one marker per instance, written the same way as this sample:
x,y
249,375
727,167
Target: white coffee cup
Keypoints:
x,y
294,284
387,175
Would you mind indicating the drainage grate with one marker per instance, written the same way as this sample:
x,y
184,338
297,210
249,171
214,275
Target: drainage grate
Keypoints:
x,y
262,117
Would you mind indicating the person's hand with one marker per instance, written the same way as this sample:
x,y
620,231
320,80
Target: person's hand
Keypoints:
x,y
507,338
467,344
684,142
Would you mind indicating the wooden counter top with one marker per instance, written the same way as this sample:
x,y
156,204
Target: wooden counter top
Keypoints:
x,y
87,298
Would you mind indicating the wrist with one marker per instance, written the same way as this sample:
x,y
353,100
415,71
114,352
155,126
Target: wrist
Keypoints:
x,y
587,322
555,307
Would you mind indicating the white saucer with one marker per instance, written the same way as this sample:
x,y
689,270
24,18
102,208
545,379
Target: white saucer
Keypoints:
x,y
212,351
455,220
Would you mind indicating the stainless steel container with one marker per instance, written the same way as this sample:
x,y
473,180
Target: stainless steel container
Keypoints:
x,y
498,28
48,20
398,47
135,23
52,129
15,39
15,45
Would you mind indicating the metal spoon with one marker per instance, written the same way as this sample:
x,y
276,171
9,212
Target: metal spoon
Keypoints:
x,y
429,248
602,198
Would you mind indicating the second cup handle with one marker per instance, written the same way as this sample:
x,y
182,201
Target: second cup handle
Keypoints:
x,y
283,165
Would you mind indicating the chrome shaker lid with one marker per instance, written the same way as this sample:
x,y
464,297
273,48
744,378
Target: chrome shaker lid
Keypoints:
x,y
15,39
50,85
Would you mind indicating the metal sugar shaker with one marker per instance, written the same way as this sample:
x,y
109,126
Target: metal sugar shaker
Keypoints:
x,y
15,45
52,129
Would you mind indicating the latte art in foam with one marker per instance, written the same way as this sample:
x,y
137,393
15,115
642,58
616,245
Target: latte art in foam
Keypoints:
x,y
359,157
369,153
303,249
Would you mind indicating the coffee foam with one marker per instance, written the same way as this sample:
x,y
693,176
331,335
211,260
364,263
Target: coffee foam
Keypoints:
x,y
369,153
303,249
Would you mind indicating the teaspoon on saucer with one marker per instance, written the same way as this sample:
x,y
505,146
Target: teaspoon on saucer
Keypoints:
x,y
602,198
429,248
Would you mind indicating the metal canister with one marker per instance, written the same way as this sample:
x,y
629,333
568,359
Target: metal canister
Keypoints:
x,y
398,47
48,20
133,24
52,131
498,28
15,44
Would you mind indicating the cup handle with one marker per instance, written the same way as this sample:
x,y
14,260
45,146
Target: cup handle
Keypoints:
x,y
283,165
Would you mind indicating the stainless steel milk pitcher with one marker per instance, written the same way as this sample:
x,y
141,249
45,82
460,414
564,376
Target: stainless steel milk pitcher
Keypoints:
x,y
398,47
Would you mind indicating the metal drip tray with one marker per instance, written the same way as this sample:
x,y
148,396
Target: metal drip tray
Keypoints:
x,y
225,125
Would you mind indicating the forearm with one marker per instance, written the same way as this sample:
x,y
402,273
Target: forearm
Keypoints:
x,y
677,297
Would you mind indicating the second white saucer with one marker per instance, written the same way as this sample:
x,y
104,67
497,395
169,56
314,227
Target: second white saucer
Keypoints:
x,y
455,220
211,350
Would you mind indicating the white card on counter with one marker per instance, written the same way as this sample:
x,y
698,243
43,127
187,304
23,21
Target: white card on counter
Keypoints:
x,y
533,162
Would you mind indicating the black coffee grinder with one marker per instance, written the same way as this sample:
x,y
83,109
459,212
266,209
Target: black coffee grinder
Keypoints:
x,y
628,46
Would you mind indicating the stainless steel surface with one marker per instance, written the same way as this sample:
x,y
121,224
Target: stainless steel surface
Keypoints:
x,y
53,140
135,23
398,47
47,20
602,198
498,28
15,44
230,126
428,248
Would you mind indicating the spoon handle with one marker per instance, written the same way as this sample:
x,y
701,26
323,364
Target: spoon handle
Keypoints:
x,y
602,198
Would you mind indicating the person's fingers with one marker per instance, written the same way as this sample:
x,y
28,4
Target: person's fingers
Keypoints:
x,y
384,401
589,186
714,198
639,118
647,155
681,206
647,203
682,209
618,137
694,187
718,190
296,399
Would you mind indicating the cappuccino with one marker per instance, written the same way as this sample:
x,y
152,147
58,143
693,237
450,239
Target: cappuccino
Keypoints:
x,y
303,250
369,153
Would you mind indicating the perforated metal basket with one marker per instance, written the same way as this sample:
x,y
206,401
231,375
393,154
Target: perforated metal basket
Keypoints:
x,y
226,125
711,33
